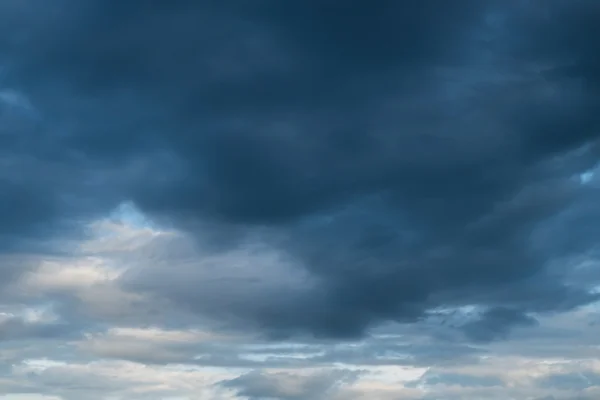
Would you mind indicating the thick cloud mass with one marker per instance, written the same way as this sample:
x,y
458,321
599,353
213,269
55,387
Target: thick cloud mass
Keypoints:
x,y
401,158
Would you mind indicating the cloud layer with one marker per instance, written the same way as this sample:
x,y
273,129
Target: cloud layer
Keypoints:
x,y
180,180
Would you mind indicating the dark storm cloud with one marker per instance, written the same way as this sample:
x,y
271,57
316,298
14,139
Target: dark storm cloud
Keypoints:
x,y
409,156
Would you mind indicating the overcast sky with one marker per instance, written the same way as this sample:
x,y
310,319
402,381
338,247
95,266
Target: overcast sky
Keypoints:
x,y
299,200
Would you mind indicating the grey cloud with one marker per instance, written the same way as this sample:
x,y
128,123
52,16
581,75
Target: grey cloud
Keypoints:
x,y
571,381
432,379
258,385
404,156
550,397
14,328
496,323
410,351
372,352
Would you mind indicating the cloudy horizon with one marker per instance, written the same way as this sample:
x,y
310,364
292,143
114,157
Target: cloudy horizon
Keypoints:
x,y
299,200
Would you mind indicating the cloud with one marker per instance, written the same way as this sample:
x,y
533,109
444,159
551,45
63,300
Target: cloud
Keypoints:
x,y
96,380
495,323
394,170
381,185
149,346
458,379
31,324
285,386
576,380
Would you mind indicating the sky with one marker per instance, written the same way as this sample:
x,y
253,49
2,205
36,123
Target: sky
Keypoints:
x,y
299,200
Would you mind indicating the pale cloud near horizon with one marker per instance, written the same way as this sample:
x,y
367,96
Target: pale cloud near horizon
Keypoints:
x,y
116,353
